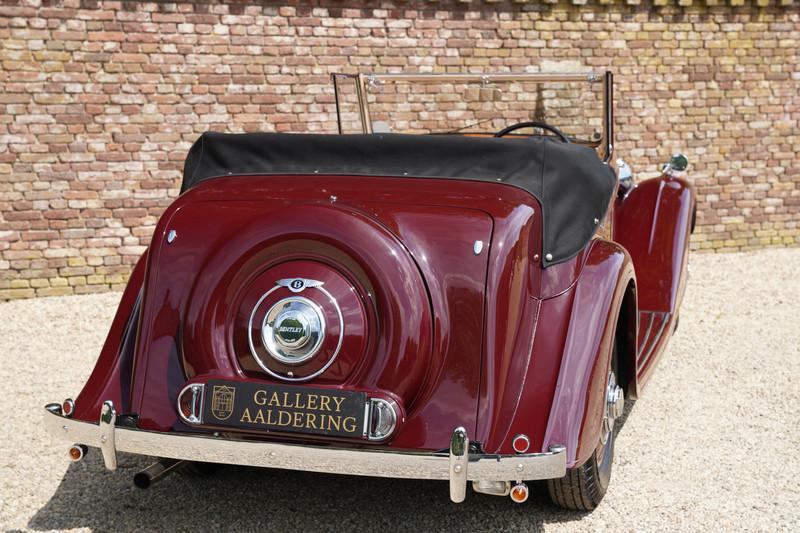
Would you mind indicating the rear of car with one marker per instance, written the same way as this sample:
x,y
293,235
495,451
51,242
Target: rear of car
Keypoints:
x,y
353,304
464,305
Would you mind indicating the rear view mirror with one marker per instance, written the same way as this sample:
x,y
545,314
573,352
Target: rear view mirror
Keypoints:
x,y
677,163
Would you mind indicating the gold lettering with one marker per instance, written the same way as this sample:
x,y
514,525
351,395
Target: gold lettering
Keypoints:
x,y
312,401
338,400
349,424
297,403
311,420
292,409
324,403
259,397
274,400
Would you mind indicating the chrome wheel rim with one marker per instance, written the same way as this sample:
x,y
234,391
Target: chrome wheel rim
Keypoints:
x,y
613,409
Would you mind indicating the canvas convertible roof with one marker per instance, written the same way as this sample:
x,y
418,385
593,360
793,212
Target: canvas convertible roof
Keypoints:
x,y
570,182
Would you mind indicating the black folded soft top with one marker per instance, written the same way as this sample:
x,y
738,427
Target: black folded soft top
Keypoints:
x,y
571,183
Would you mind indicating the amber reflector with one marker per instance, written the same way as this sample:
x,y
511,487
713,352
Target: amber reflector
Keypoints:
x,y
519,493
76,452
67,407
184,403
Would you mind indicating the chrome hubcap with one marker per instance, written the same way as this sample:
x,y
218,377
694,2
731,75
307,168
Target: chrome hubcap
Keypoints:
x,y
615,405
293,330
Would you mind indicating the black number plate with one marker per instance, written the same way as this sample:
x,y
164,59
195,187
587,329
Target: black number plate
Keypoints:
x,y
284,408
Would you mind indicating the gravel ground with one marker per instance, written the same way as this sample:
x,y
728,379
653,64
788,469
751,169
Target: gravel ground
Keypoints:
x,y
712,445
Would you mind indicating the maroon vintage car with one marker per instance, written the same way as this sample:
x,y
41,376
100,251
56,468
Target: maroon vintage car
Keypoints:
x,y
467,306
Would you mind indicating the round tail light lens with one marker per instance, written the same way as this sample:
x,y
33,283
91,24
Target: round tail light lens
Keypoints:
x,y
521,443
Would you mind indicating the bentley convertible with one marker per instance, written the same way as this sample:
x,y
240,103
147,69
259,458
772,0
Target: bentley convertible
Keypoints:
x,y
461,305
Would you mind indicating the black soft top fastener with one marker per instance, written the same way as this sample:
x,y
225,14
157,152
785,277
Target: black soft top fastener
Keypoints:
x,y
570,182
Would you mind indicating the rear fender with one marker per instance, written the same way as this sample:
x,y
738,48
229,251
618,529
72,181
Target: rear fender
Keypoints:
x,y
654,222
598,303
111,377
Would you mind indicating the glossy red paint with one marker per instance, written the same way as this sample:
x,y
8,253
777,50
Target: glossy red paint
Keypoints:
x,y
421,289
653,222
660,253
488,341
596,298
257,297
111,377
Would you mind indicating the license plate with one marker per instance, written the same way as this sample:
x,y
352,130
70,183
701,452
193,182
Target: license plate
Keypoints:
x,y
284,408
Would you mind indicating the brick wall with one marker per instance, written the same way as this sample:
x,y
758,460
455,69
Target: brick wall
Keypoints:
x,y
99,102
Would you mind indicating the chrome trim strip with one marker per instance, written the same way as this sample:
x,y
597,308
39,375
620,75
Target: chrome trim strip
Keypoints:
x,y
646,334
656,338
326,459
107,435
485,79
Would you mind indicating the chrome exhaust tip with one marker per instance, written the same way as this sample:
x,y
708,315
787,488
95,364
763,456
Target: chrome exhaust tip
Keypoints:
x,y
156,472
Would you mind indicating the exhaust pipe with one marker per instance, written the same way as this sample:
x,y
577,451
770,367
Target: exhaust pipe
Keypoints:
x,y
156,472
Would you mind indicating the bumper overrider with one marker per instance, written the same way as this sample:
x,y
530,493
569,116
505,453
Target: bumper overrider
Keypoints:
x,y
458,466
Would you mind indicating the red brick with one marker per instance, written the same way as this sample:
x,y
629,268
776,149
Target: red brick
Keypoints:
x,y
97,120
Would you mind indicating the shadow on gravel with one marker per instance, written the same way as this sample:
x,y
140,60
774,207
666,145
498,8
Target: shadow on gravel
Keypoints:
x,y
275,500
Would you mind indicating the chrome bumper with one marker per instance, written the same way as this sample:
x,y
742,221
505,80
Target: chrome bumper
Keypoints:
x,y
459,466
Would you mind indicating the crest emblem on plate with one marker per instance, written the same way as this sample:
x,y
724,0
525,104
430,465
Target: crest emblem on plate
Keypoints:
x,y
222,398
298,284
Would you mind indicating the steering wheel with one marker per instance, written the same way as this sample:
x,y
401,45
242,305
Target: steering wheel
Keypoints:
x,y
533,124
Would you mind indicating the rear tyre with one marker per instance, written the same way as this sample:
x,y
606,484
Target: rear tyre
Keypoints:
x,y
584,486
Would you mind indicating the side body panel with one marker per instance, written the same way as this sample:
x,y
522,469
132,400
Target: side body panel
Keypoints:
x,y
653,222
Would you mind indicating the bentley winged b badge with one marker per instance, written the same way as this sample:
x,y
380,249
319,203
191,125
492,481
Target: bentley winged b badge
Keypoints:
x,y
298,284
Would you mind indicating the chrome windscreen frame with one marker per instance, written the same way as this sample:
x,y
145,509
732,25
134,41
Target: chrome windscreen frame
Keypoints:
x,y
459,465
604,147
